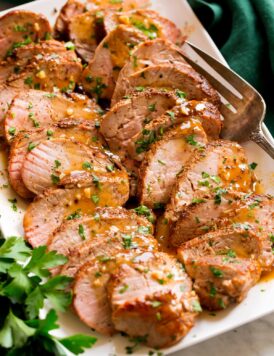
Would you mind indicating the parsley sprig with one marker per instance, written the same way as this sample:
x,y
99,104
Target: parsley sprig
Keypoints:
x,y
26,286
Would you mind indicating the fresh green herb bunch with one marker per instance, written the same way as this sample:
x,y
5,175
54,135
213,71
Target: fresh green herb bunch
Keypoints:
x,y
25,285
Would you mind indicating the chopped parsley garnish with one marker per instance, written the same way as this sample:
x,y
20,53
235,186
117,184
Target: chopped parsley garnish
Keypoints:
x,y
127,242
157,206
212,291
136,342
96,181
171,115
216,272
55,179
152,107
49,133
28,81
123,289
242,226
70,46
139,89
191,140
75,215
99,87
231,253
81,232
31,146
15,45
95,199
253,166
87,165
135,62
197,201
161,162
151,32
144,230
180,94
57,164
50,95
13,204
19,28
12,131
196,306
104,259
156,303
144,210
110,167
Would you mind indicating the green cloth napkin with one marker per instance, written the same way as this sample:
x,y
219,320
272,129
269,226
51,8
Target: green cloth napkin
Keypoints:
x,y
244,32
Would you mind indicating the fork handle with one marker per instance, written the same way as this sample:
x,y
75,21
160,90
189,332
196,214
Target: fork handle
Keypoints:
x,y
259,138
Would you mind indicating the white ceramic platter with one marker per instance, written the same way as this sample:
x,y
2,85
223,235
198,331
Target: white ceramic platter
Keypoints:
x,y
260,300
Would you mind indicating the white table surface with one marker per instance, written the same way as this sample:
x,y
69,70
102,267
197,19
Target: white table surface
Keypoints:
x,y
254,339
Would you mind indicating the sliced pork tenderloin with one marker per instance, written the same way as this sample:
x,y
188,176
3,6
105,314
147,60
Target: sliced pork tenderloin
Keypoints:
x,y
73,234
100,76
152,299
71,9
146,54
7,94
149,22
21,27
171,77
242,210
47,74
128,118
102,258
33,109
165,160
47,212
47,164
206,112
82,131
236,241
221,281
33,52
219,167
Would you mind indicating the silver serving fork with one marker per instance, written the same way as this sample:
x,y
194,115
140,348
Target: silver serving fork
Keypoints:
x,y
242,107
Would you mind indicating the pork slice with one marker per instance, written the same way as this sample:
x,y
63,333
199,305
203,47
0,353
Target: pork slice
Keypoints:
x,y
20,27
121,5
22,144
90,300
172,77
47,212
73,234
220,167
6,96
47,164
86,31
197,219
33,109
71,9
232,242
47,74
165,160
100,76
206,112
128,118
25,55
149,22
109,244
151,298
220,281
148,53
